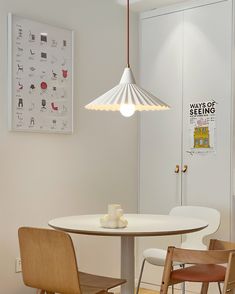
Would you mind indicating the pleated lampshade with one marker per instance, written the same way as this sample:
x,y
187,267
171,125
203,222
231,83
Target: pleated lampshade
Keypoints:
x,y
127,92
127,97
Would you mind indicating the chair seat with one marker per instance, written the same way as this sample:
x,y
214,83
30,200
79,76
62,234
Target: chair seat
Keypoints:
x,y
89,281
200,273
156,256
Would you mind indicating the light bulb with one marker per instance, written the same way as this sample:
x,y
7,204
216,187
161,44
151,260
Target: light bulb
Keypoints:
x,y
127,110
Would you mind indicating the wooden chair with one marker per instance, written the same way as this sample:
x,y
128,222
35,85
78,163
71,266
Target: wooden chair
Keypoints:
x,y
49,264
206,266
157,256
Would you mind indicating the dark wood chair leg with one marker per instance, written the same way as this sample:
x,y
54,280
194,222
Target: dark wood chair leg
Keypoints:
x,y
204,288
219,286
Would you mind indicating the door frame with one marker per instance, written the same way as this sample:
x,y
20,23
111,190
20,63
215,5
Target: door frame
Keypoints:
x,y
178,7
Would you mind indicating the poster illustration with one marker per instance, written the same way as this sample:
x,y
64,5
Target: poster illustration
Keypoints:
x,y
202,130
40,77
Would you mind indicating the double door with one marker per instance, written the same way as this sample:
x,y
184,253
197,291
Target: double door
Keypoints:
x,y
186,58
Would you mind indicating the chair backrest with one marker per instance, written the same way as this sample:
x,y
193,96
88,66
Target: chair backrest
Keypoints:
x,y
188,256
229,282
210,215
48,260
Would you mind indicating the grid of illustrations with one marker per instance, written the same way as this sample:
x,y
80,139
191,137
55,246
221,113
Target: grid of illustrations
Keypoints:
x,y
41,77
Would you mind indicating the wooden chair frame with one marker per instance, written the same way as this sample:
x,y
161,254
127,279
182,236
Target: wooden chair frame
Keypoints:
x,y
220,252
49,264
230,273
194,240
229,283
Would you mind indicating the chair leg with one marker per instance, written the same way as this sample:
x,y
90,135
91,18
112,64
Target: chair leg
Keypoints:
x,y
140,277
183,284
219,286
172,289
204,288
164,288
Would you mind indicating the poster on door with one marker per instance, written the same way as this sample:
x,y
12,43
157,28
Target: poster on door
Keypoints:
x,y
40,77
202,127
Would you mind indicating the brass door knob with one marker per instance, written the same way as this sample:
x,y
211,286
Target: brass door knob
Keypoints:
x,y
177,169
185,168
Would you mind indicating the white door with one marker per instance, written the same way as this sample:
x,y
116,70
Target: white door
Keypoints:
x,y
160,132
185,58
207,76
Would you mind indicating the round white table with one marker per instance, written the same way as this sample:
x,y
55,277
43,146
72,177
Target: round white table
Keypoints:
x,y
139,225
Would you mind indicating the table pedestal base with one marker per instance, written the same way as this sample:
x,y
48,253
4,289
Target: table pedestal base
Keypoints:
x,y
128,264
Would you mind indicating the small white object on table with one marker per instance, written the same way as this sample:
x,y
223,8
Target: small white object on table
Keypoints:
x,y
139,225
114,219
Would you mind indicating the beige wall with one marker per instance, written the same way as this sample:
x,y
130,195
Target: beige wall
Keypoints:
x,y
43,176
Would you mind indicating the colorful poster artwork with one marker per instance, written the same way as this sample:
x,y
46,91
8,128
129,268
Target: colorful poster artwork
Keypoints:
x,y
202,130
40,77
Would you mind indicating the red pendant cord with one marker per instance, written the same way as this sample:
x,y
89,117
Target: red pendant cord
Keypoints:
x,y
128,33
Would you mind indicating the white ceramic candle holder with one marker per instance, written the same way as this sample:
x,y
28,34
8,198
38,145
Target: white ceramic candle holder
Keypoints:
x,y
114,219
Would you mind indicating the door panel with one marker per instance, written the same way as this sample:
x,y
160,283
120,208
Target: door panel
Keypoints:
x,y
160,132
207,76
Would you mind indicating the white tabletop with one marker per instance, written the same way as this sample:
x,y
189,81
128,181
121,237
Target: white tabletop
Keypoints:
x,y
138,225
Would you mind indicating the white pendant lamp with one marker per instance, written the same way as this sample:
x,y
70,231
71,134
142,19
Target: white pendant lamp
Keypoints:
x,y
127,97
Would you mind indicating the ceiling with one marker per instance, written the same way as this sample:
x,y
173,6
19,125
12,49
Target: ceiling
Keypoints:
x,y
143,5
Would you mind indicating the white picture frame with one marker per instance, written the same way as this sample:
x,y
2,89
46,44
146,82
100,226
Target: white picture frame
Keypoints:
x,y
40,76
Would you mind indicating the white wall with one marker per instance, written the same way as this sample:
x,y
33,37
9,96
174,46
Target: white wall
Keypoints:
x,y
43,176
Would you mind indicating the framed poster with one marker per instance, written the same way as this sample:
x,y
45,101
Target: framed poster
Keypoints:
x,y
202,130
40,76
